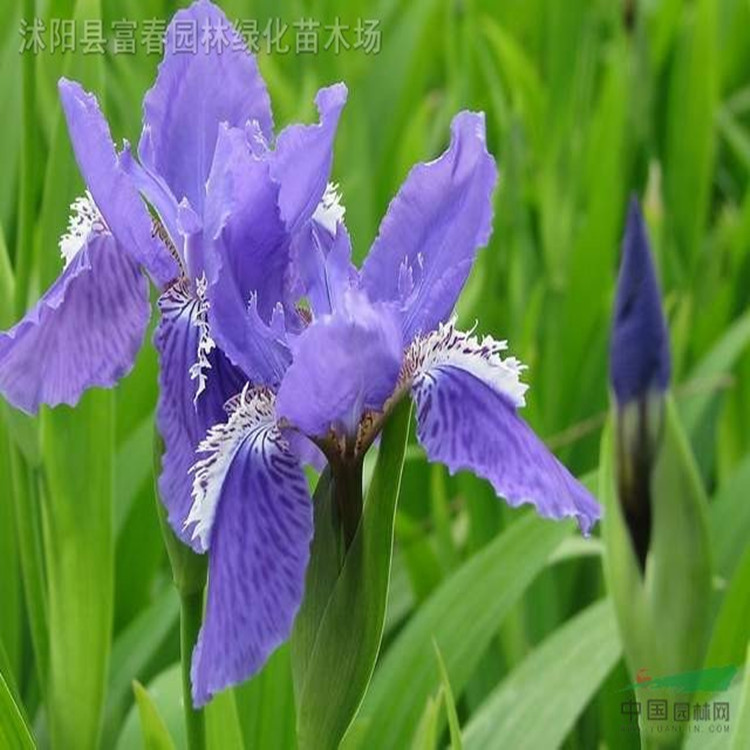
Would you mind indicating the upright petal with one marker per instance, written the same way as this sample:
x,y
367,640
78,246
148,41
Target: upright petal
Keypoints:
x,y
467,398
301,162
433,228
639,350
322,266
344,364
195,381
112,189
195,90
246,259
254,513
84,332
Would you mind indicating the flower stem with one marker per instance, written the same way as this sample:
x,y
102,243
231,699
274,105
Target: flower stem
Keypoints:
x,y
191,611
347,493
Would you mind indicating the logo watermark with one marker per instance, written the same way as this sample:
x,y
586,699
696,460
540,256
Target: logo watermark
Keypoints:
x,y
304,36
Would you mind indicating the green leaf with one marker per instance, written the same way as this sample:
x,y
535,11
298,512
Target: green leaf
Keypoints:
x,y
731,632
541,699
450,703
426,734
155,733
717,363
335,674
265,705
133,652
729,515
78,447
690,139
663,618
741,729
462,616
165,692
13,730
223,731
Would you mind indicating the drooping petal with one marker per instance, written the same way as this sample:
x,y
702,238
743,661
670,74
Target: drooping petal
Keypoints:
x,y
254,513
344,364
84,332
467,398
639,349
246,254
301,162
433,228
195,381
112,189
195,90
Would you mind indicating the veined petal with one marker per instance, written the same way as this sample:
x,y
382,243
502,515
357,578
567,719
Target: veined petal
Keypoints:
x,y
195,90
246,255
467,397
301,162
344,364
195,380
254,513
112,189
84,332
433,228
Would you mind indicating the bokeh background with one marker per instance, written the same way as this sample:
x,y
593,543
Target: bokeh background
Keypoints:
x,y
587,102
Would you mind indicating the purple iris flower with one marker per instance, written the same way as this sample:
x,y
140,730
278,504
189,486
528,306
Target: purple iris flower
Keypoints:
x,y
274,349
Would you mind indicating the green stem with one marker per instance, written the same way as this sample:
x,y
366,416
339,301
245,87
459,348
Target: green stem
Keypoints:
x,y
347,493
191,612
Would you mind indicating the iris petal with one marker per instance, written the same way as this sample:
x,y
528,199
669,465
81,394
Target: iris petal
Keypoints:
x,y
246,257
85,331
183,413
112,189
433,227
254,511
466,399
301,162
195,90
344,364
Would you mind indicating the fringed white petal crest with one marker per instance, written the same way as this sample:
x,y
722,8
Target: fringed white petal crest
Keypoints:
x,y
84,219
448,347
252,416
198,371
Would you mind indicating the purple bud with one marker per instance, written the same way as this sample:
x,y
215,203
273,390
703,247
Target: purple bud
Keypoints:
x,y
639,348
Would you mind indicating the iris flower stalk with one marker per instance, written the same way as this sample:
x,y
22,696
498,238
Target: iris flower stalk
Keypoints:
x,y
275,351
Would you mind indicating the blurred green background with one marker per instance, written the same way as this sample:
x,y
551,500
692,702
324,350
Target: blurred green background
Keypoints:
x,y
587,101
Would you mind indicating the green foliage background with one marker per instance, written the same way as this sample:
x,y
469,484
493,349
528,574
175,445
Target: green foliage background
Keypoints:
x,y
587,101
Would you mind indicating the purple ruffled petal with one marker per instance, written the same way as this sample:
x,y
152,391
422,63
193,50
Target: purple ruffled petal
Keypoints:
x,y
301,162
466,401
344,364
85,331
254,512
246,259
195,381
429,237
112,189
196,90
